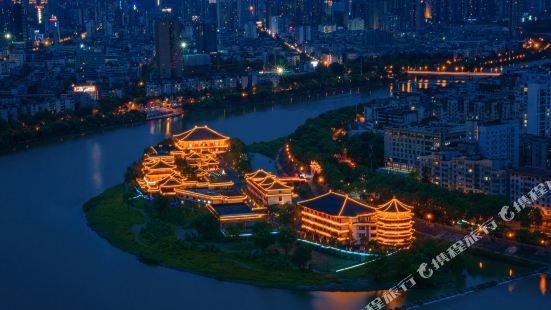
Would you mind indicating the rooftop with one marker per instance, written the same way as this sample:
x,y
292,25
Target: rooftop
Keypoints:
x,y
232,209
395,206
199,133
337,205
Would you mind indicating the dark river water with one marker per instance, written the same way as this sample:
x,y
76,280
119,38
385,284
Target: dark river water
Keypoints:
x,y
50,259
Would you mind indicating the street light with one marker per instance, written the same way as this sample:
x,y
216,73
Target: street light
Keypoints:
x,y
7,36
183,44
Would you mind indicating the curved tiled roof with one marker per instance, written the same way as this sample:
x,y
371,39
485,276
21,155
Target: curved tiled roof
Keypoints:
x,y
336,204
198,133
277,185
160,165
258,174
172,180
395,206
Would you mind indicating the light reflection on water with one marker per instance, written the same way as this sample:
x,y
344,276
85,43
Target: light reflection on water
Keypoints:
x,y
97,157
543,284
349,300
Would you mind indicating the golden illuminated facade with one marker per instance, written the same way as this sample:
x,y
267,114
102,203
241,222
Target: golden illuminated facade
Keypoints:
x,y
236,214
161,174
156,168
268,189
200,139
395,224
338,220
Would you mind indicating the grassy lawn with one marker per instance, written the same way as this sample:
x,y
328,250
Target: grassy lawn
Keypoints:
x,y
113,220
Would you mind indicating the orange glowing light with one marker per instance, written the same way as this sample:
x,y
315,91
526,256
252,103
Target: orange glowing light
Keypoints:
x,y
543,284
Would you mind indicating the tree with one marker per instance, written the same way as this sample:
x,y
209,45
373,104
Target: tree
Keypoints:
x,y
286,239
234,230
161,204
207,226
262,236
379,269
302,255
530,216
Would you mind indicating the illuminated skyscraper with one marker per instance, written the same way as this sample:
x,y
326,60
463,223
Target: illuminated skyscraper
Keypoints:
x,y
52,29
168,49
226,13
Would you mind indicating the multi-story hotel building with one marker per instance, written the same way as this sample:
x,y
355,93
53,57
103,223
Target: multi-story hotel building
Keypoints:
x,y
337,220
404,146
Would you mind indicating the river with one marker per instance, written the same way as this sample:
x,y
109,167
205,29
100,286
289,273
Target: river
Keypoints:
x,y
51,259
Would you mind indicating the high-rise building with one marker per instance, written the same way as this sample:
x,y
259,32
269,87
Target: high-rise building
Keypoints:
x,y
499,141
464,170
245,12
250,31
52,29
168,48
206,37
538,105
226,13
19,22
404,146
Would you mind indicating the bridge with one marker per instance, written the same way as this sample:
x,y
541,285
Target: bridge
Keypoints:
x,y
454,73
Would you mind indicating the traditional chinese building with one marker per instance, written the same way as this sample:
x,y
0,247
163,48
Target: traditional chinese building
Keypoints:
x,y
395,224
265,189
239,215
338,220
204,162
200,139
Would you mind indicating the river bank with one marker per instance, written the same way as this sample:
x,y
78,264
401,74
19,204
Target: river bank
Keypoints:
x,y
203,111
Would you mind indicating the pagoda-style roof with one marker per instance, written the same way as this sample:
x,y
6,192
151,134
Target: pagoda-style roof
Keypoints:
x,y
395,206
199,133
211,160
172,180
278,186
267,181
258,174
160,165
194,156
336,204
